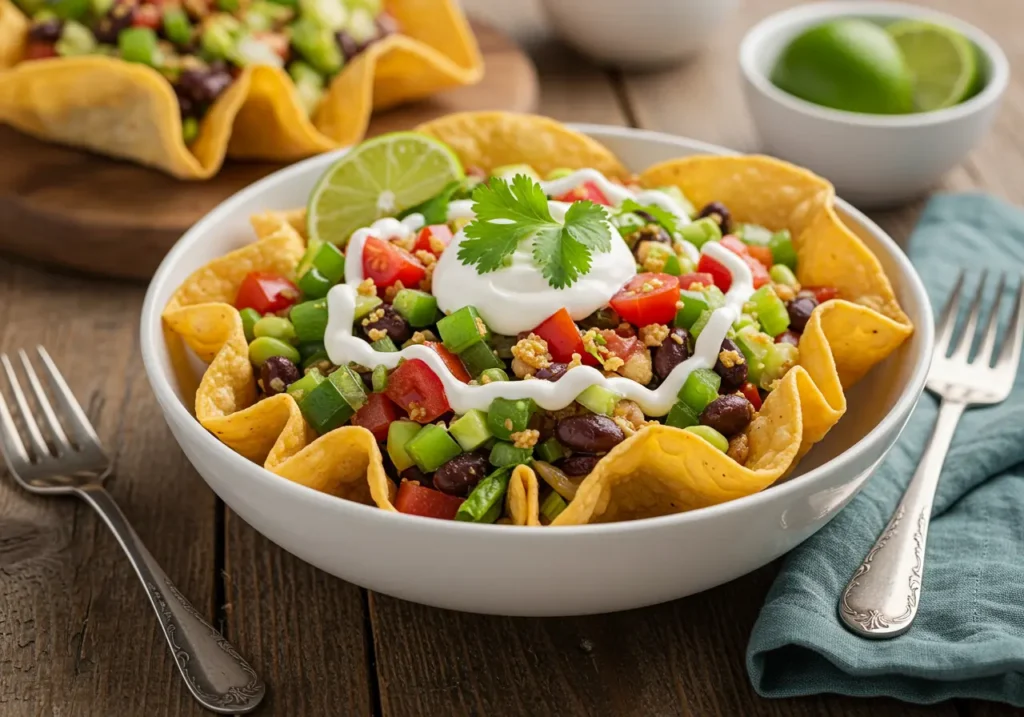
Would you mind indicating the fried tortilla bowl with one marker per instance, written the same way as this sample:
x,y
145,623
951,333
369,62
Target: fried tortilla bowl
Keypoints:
x,y
129,110
661,474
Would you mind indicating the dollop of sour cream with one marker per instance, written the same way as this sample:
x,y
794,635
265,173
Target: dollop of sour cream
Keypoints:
x,y
521,296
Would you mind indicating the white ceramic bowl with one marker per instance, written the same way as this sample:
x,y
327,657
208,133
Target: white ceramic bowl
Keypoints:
x,y
638,34
874,160
539,571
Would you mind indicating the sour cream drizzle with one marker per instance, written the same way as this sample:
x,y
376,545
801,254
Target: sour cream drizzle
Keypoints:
x,y
342,347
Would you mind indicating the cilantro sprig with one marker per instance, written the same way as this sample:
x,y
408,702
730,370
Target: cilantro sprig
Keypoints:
x,y
507,213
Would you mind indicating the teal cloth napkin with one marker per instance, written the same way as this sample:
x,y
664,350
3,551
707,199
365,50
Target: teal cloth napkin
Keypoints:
x,y
968,638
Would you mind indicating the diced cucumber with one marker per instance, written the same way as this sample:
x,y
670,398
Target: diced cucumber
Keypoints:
x,y
365,305
778,359
783,251
399,435
506,454
484,504
681,416
506,416
432,447
470,430
771,312
696,302
385,344
670,265
299,389
379,379
553,506
754,344
710,435
313,284
351,386
417,307
325,407
782,274
599,399
701,232
753,234
699,324
310,320
330,262
461,329
550,450
479,358
700,389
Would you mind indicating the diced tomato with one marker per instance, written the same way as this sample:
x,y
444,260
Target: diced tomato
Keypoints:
x,y
757,268
453,362
147,16
376,415
434,239
823,293
734,245
721,276
587,190
415,499
387,263
266,292
688,280
622,346
418,390
758,271
655,305
39,50
750,392
762,253
563,337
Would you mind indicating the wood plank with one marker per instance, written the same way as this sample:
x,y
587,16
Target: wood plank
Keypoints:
x,y
77,635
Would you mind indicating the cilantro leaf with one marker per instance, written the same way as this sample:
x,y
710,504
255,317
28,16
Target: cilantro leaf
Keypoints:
x,y
507,213
665,219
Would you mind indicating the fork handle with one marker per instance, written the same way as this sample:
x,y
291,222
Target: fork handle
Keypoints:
x,y
881,599
214,672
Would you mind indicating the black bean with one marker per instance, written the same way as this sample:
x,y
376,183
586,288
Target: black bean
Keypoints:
x,y
204,86
413,473
277,373
788,337
461,474
348,44
589,433
735,375
107,28
728,415
718,212
393,323
671,353
579,465
648,232
551,373
48,30
800,310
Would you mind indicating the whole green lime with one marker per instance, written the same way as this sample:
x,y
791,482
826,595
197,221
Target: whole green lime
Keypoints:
x,y
851,65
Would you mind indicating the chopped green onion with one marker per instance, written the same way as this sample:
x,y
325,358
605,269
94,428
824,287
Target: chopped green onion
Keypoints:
x,y
553,506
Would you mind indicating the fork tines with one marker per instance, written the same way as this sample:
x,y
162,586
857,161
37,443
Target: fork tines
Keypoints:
x,y
956,346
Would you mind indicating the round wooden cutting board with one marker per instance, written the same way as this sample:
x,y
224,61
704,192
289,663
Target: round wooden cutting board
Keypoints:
x,y
78,210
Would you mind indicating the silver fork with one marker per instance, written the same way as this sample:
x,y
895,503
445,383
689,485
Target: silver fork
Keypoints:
x,y
882,597
73,462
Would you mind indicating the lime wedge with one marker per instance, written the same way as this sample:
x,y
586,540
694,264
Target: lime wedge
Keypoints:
x,y
943,63
378,178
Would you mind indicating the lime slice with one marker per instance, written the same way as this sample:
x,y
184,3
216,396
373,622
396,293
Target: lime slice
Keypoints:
x,y
379,178
942,61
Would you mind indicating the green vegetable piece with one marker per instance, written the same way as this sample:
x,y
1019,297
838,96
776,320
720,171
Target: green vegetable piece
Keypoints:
x,y
286,3
316,43
506,454
330,262
710,435
697,302
417,307
177,26
461,329
218,38
189,129
553,506
249,319
325,407
677,194
301,388
506,416
329,14
262,16
783,251
627,223
69,9
227,5
479,358
701,231
550,450
484,504
782,274
75,39
351,386
316,359
778,359
470,430
754,344
364,305
139,44
308,348
307,256
263,347
314,285
385,344
310,320
493,374
754,234
435,209
361,25
379,379
700,323
700,389
275,327
399,435
770,310
99,8
599,399
681,416
743,320
670,261
432,447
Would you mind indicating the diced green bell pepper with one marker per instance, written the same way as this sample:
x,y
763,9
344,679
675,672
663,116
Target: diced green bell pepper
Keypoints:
x,y
310,320
754,344
599,399
177,26
506,416
700,389
778,359
432,447
701,231
783,251
417,307
299,389
313,284
249,318
399,435
329,261
326,407
379,379
316,43
550,450
681,416
697,302
461,329
365,305
771,311
479,358
698,326
506,454
484,503
782,274
470,430
351,385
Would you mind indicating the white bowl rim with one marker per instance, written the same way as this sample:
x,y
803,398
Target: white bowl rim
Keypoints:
x,y
151,334
785,19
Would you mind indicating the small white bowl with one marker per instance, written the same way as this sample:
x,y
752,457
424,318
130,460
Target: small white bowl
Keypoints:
x,y
505,570
640,34
873,160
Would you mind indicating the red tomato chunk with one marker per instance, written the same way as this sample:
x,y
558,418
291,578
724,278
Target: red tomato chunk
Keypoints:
x,y
647,299
266,292
688,280
823,293
433,239
453,362
563,337
751,393
414,499
376,415
587,190
418,390
387,263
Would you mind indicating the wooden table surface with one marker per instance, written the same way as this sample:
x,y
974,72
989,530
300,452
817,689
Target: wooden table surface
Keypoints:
x,y
77,637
